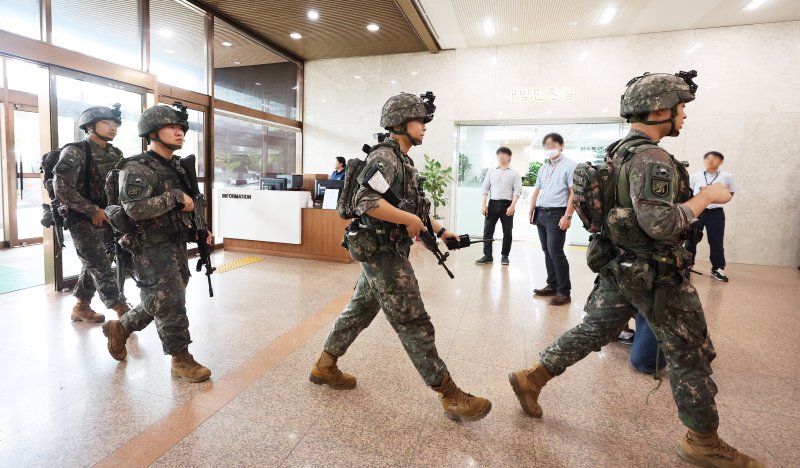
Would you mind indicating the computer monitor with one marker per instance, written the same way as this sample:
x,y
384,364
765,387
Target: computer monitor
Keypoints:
x,y
293,181
321,185
269,183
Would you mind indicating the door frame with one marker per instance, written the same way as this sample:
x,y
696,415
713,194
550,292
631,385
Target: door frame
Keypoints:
x,y
52,250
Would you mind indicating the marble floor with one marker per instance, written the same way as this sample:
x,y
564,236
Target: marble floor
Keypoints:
x,y
65,402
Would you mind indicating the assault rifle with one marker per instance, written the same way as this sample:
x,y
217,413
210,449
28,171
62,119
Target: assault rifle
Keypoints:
x,y
198,216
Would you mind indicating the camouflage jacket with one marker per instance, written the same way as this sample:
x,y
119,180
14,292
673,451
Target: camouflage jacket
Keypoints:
x,y
151,191
652,188
398,170
69,172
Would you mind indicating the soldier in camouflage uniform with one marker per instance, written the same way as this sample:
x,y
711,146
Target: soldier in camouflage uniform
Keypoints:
x,y
654,210
154,192
86,200
382,243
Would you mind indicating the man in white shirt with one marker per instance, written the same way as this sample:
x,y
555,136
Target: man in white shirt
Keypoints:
x,y
502,186
713,218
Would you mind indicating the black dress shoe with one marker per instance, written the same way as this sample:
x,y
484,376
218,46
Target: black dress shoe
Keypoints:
x,y
560,299
504,260
484,260
545,291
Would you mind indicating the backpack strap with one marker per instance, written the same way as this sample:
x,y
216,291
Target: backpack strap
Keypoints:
x,y
87,169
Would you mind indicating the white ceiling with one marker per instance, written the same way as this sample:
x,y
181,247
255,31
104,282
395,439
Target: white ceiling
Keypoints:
x,y
459,24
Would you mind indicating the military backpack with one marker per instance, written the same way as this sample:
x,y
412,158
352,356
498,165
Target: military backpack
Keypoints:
x,y
595,185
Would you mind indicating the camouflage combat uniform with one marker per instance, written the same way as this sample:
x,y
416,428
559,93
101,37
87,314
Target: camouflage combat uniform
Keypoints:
x,y
90,241
650,220
151,191
387,279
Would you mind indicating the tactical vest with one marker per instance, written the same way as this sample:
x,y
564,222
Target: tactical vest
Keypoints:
x,y
170,175
635,238
403,185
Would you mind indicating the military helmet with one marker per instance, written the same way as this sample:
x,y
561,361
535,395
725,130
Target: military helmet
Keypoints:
x,y
402,108
652,92
156,117
95,114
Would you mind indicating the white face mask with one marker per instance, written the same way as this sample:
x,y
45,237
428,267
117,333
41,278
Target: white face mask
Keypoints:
x,y
552,153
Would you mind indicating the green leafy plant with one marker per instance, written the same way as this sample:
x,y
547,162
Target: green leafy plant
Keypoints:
x,y
436,180
464,165
529,179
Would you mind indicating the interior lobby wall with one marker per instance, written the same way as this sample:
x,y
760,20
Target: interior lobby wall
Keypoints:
x,y
747,107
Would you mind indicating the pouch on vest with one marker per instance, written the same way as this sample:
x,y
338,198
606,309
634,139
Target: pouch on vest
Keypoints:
x,y
360,243
624,230
600,251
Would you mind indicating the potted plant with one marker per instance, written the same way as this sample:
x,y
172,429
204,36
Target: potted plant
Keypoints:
x,y
529,179
436,180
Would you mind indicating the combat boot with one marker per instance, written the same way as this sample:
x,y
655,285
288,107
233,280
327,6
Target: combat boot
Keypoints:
x,y
117,336
82,312
459,405
325,372
120,308
527,384
708,450
184,367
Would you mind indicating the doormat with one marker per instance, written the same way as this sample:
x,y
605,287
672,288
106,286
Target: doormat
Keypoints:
x,y
226,267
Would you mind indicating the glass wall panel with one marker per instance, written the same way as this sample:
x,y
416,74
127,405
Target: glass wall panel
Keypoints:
x,y
21,17
476,155
73,96
246,150
250,75
178,45
193,142
26,76
106,29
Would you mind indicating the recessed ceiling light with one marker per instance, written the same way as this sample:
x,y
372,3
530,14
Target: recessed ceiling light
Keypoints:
x,y
357,77
313,15
227,44
753,4
165,33
169,51
258,84
394,82
608,15
372,27
515,29
295,35
572,24
414,73
488,27
236,62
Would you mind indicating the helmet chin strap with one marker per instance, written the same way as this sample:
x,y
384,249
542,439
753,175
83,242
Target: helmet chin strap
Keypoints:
x,y
104,138
404,131
168,145
673,132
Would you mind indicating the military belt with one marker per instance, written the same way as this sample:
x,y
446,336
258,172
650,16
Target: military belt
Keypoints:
x,y
159,238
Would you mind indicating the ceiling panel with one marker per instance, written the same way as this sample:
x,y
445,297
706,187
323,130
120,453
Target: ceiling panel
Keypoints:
x,y
460,23
340,30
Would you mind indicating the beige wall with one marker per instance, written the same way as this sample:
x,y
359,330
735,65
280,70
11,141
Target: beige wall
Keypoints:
x,y
748,107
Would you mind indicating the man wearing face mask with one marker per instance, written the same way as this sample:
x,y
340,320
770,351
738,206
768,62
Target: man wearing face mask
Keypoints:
x,y
79,183
551,212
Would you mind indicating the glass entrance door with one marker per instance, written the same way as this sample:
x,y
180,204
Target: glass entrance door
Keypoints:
x,y
477,145
73,93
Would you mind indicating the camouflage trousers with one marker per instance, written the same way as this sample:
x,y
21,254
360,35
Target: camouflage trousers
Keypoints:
x,y
387,282
163,272
97,274
682,336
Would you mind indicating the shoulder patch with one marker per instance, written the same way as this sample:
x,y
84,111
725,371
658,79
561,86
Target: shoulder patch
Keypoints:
x,y
658,180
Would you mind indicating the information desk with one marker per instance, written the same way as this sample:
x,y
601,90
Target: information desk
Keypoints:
x,y
279,223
